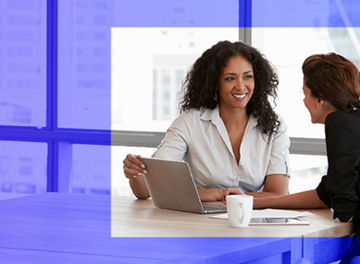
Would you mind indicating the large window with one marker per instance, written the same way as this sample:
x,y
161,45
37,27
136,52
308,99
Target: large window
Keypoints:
x,y
56,76
77,76
23,63
84,63
146,81
22,167
287,47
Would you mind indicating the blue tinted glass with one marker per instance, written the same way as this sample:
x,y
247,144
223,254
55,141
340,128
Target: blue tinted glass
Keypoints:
x,y
85,49
90,169
23,62
305,13
84,64
22,168
99,169
174,13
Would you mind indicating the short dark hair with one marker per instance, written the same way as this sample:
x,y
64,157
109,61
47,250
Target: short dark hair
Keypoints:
x,y
333,78
203,78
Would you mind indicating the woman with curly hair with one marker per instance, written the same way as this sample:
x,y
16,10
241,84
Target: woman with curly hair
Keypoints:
x,y
228,132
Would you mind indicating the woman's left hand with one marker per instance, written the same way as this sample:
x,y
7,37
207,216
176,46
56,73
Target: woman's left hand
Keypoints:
x,y
212,195
230,191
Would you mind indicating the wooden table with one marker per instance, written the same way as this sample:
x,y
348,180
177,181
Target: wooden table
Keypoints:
x,y
69,228
140,218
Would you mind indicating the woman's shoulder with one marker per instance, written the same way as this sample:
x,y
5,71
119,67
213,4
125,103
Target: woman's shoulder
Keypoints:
x,y
342,130
282,127
190,114
343,118
187,117
281,130
342,124
279,133
278,118
281,120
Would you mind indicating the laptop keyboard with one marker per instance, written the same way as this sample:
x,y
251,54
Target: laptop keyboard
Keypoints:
x,y
214,207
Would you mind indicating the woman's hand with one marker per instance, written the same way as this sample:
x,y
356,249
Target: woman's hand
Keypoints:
x,y
231,191
212,195
134,170
133,167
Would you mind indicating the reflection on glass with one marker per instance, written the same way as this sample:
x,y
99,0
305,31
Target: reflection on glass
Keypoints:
x,y
23,63
22,168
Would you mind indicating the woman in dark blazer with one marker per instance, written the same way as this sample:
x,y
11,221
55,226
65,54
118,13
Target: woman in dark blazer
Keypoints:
x,y
332,97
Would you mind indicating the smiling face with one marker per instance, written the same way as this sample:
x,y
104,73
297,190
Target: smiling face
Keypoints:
x,y
236,83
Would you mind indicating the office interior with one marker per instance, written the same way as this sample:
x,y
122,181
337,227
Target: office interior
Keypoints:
x,y
84,82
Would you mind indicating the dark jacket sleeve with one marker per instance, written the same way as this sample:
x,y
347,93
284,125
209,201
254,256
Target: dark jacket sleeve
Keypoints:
x,y
339,188
323,195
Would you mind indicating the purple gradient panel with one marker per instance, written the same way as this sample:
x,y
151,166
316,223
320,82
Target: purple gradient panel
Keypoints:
x,y
91,169
174,13
22,168
23,63
304,13
84,83
76,228
84,47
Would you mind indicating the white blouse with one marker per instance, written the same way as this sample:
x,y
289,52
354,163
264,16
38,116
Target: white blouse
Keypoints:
x,y
200,138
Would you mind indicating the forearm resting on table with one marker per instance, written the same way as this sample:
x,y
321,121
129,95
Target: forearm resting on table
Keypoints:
x,y
138,187
275,185
302,200
264,194
210,195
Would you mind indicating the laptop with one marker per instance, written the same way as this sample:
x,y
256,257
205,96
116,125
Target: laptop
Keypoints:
x,y
171,186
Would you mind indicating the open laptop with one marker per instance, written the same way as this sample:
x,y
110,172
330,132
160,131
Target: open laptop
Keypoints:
x,y
171,186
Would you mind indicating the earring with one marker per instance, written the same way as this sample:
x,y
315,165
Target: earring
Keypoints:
x,y
215,98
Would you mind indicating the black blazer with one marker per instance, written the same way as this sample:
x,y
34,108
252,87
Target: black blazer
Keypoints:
x,y
340,188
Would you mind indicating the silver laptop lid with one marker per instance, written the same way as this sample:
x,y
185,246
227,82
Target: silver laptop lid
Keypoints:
x,y
171,185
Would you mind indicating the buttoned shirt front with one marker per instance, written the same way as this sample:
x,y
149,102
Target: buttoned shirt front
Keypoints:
x,y
200,138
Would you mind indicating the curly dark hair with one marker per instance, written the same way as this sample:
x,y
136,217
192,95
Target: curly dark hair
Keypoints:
x,y
201,81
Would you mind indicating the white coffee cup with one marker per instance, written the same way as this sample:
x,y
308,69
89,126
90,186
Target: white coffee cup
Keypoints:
x,y
239,209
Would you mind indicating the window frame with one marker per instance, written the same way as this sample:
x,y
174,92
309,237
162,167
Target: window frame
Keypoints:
x,y
60,140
